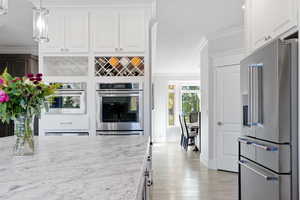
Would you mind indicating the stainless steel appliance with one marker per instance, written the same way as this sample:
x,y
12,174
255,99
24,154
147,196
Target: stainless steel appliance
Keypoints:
x,y
67,134
120,108
268,151
69,99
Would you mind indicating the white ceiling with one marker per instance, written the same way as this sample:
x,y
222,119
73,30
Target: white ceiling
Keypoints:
x,y
182,25
16,26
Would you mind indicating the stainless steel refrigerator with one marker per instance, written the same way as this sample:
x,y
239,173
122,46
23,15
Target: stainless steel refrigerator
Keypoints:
x,y
268,149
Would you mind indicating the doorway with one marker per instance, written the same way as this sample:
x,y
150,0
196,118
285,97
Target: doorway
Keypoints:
x,y
183,98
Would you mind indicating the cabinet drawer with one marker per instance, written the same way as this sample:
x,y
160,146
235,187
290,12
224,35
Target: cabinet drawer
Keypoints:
x,y
261,184
68,122
273,156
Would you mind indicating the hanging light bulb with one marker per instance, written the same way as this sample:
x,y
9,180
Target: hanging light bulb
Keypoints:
x,y
3,7
40,24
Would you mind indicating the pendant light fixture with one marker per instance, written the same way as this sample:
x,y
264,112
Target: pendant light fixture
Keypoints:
x,y
3,7
40,24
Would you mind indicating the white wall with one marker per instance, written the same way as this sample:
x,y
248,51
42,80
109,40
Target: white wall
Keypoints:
x,y
160,112
227,48
207,153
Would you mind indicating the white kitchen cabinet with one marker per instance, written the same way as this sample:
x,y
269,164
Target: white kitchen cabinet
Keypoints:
x,y
65,122
77,32
132,31
269,19
56,33
105,31
68,32
118,31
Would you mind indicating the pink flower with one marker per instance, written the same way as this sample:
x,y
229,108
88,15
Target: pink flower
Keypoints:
x,y
39,75
1,81
30,75
38,79
3,97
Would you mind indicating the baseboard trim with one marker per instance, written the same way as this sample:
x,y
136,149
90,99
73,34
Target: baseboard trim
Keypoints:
x,y
209,163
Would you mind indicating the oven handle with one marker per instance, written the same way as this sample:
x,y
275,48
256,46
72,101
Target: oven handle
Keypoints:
x,y
120,91
69,93
118,94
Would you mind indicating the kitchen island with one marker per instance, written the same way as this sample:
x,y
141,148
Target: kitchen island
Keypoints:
x,y
75,167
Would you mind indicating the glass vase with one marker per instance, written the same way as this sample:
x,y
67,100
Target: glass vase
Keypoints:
x,y
24,134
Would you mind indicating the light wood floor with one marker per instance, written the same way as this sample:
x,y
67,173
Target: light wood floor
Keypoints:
x,y
178,175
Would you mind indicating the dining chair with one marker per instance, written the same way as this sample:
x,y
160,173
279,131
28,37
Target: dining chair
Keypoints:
x,y
194,117
182,134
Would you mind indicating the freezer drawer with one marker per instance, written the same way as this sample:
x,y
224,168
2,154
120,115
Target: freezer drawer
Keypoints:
x,y
258,183
273,156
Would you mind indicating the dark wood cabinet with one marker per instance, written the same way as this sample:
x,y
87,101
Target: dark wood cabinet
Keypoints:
x,y
17,65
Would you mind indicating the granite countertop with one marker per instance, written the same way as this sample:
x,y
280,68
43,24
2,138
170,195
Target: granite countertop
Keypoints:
x,y
74,168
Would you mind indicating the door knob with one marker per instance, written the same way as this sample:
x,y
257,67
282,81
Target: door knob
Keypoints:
x,y
220,123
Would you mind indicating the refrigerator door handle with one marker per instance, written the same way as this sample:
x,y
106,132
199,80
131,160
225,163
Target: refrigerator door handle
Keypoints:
x,y
256,94
267,148
266,177
250,96
259,95
244,141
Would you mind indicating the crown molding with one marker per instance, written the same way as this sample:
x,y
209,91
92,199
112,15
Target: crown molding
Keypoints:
x,y
19,50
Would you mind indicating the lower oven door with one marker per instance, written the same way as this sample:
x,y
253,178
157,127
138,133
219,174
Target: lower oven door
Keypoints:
x,y
120,111
68,102
258,183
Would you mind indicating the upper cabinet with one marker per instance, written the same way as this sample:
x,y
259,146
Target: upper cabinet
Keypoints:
x,y
68,32
269,19
118,32
77,32
132,31
56,33
105,31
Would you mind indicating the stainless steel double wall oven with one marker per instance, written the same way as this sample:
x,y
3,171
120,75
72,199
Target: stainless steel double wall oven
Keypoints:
x,y
120,108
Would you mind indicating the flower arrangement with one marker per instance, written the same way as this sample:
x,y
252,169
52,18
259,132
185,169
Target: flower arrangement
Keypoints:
x,y
21,99
23,96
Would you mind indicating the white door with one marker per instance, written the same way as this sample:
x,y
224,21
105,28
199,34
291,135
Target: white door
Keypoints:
x,y
76,32
228,116
105,31
55,33
132,31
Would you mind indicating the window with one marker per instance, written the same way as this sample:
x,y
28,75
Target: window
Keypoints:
x,y
171,105
190,100
182,98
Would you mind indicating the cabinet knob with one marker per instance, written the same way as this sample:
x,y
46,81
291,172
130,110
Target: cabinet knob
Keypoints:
x,y
62,49
116,49
121,49
220,123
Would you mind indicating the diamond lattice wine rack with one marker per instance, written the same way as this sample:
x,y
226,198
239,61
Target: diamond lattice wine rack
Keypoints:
x,y
119,66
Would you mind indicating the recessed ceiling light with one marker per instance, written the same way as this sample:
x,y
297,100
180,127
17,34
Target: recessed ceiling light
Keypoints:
x,y
243,6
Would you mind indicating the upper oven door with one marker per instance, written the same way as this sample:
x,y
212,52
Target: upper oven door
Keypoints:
x,y
68,102
120,110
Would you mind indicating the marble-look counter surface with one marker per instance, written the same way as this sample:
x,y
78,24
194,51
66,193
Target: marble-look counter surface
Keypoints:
x,y
74,168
